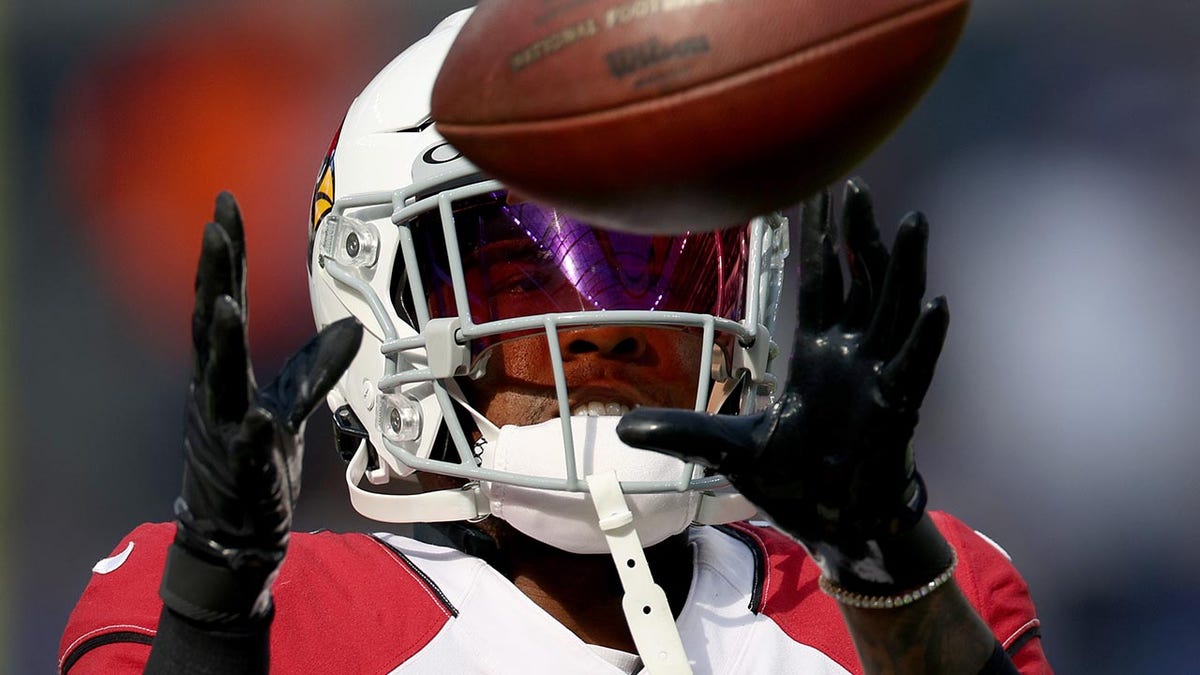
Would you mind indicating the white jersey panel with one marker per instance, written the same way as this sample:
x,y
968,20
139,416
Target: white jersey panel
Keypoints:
x,y
720,633
500,630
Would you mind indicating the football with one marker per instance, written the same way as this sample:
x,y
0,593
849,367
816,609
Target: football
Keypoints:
x,y
664,116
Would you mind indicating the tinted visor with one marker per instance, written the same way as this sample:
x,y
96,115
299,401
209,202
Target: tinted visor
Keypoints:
x,y
523,259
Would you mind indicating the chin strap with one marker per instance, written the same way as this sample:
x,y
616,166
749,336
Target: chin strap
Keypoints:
x,y
645,603
469,503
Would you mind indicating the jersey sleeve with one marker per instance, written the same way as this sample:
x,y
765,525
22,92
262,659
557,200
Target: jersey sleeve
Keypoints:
x,y
993,586
115,621
343,603
786,592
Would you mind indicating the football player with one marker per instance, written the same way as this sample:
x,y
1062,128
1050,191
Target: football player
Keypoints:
x,y
582,424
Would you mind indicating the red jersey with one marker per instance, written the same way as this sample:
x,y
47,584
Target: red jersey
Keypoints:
x,y
356,603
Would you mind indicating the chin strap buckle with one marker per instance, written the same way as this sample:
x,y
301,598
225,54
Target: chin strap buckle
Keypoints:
x,y
645,603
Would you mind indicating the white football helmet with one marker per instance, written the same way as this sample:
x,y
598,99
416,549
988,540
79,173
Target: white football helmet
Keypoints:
x,y
410,239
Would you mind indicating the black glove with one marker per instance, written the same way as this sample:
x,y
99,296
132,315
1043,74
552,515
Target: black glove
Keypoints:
x,y
831,461
243,445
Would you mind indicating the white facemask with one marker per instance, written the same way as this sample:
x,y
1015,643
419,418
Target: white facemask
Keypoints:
x,y
567,520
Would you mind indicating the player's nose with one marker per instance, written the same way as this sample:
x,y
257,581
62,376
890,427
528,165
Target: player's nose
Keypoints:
x,y
622,343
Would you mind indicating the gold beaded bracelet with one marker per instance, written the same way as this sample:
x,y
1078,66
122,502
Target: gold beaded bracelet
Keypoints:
x,y
852,599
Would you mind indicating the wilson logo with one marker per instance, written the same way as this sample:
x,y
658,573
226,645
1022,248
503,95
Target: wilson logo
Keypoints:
x,y
627,60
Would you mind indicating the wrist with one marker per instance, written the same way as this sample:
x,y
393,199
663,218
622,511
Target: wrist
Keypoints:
x,y
894,600
887,565
206,540
186,647
212,592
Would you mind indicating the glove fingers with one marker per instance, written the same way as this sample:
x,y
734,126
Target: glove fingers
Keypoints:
x,y
227,214
214,278
820,297
903,288
866,255
906,379
253,446
228,379
723,443
312,371
912,290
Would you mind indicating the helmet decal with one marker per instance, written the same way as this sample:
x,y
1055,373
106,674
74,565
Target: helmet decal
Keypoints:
x,y
322,199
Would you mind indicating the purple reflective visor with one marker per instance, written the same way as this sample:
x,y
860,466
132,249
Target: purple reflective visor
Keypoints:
x,y
524,259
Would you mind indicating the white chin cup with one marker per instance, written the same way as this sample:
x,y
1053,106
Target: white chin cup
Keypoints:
x,y
567,520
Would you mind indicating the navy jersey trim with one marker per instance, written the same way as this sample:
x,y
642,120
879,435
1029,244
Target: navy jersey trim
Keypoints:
x,y
99,641
760,563
1032,633
433,588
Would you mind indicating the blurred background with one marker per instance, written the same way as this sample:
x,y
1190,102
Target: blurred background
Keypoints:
x,y
1058,160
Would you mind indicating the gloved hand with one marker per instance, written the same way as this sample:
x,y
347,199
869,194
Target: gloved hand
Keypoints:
x,y
243,444
831,462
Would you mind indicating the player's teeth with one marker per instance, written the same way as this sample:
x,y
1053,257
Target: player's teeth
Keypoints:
x,y
600,408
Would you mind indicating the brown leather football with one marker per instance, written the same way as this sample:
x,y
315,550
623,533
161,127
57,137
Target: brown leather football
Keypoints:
x,y
672,115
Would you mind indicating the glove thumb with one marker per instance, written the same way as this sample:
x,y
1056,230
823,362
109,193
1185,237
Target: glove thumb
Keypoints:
x,y
312,371
723,443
